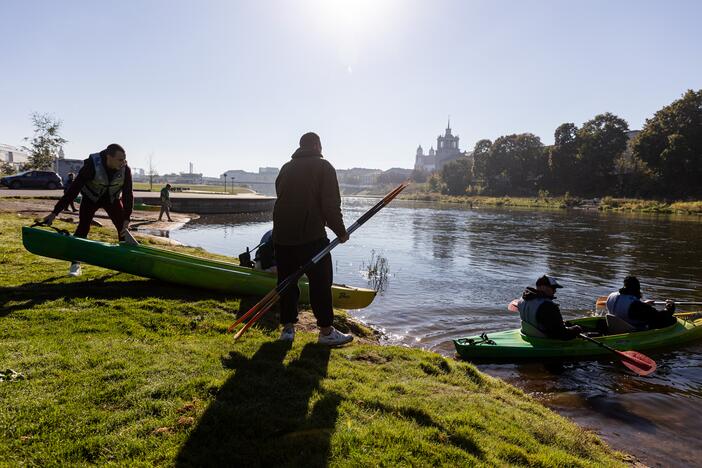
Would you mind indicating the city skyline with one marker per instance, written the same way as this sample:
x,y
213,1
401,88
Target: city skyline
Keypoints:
x,y
233,85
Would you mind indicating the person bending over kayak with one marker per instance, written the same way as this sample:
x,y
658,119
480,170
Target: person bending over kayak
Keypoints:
x,y
308,200
541,317
102,179
627,305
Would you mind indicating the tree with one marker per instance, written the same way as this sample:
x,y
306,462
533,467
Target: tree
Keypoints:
x,y
481,154
563,159
600,142
457,176
45,143
516,164
6,168
671,145
151,167
419,176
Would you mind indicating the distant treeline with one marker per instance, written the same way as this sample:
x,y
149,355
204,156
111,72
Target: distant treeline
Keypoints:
x,y
600,158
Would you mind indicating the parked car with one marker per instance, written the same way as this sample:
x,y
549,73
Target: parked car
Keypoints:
x,y
33,179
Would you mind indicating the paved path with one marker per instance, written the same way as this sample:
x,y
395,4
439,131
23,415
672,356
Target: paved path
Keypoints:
x,y
137,194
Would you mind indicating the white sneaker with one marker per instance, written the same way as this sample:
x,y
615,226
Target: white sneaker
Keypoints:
x,y
288,334
75,269
335,338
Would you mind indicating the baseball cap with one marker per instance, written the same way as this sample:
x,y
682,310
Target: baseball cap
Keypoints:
x,y
548,281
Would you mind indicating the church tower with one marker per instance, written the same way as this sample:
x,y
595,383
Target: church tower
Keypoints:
x,y
446,147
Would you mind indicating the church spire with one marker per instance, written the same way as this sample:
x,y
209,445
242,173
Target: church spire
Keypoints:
x,y
448,127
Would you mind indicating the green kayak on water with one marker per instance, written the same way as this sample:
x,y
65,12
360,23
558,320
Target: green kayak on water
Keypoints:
x,y
174,267
513,345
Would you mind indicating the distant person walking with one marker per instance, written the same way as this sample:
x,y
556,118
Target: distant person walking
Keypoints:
x,y
104,181
308,200
69,180
165,202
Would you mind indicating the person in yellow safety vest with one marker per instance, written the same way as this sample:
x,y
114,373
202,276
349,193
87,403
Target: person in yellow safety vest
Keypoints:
x,y
541,317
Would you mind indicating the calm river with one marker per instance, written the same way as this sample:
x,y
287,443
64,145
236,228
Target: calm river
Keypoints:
x,y
453,270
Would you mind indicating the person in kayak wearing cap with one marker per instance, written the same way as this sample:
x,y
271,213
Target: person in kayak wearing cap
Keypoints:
x,y
627,305
104,181
308,200
541,317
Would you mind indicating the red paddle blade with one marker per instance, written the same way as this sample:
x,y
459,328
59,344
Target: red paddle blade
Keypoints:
x,y
638,363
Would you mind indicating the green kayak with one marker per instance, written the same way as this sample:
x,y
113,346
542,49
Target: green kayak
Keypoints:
x,y
174,267
513,345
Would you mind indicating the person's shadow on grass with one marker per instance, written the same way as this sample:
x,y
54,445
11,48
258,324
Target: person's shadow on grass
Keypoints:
x,y
267,413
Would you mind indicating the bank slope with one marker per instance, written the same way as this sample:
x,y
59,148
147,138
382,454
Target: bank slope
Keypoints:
x,y
112,368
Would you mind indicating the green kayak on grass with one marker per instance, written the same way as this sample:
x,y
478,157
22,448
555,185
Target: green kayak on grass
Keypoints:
x,y
174,267
513,345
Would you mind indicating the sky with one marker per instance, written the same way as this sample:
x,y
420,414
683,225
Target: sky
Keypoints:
x,y
229,84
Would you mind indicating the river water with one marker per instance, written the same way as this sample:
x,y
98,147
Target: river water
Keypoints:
x,y
452,271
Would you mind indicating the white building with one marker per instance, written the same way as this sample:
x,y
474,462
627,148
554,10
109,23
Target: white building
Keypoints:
x,y
13,155
446,150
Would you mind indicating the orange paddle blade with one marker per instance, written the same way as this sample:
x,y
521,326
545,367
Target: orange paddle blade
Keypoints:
x,y
638,363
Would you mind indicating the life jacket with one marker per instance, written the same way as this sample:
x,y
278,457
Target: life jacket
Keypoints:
x,y
527,312
618,304
100,184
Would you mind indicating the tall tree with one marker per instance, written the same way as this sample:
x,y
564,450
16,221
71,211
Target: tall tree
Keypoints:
x,y
516,164
151,168
481,154
563,159
46,142
671,145
457,176
601,141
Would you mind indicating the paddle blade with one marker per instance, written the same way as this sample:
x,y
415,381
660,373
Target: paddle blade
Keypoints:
x,y
512,307
637,363
601,301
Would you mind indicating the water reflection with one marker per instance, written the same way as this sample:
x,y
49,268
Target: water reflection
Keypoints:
x,y
453,270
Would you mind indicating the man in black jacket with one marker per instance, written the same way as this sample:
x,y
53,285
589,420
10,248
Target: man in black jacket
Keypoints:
x,y
308,201
541,317
628,306
104,181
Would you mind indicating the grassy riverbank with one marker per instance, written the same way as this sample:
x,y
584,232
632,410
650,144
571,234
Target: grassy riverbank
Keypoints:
x,y
604,204
117,369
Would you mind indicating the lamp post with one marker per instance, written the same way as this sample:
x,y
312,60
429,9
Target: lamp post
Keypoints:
x,y
225,182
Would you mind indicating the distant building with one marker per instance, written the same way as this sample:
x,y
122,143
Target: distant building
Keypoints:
x,y
358,176
13,155
447,150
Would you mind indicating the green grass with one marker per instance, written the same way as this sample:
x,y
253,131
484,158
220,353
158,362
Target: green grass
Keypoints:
x,y
484,201
650,206
144,186
126,371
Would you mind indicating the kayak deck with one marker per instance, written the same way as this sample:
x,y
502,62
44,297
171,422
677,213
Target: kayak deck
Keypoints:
x,y
175,267
513,345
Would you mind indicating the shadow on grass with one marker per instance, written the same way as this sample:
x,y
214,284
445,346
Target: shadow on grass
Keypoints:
x,y
29,295
261,415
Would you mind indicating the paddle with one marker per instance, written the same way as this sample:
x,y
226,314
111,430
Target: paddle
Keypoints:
x,y
265,304
636,362
602,302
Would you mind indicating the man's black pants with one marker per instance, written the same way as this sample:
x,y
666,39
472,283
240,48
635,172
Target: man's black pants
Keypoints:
x,y
291,257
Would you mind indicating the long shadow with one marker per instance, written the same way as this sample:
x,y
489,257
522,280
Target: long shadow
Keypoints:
x,y
30,295
261,415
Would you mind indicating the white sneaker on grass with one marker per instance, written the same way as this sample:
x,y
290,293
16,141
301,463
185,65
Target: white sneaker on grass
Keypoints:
x,y
334,338
75,269
288,334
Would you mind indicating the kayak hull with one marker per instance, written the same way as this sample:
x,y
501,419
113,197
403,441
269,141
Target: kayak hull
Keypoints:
x,y
175,267
512,345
